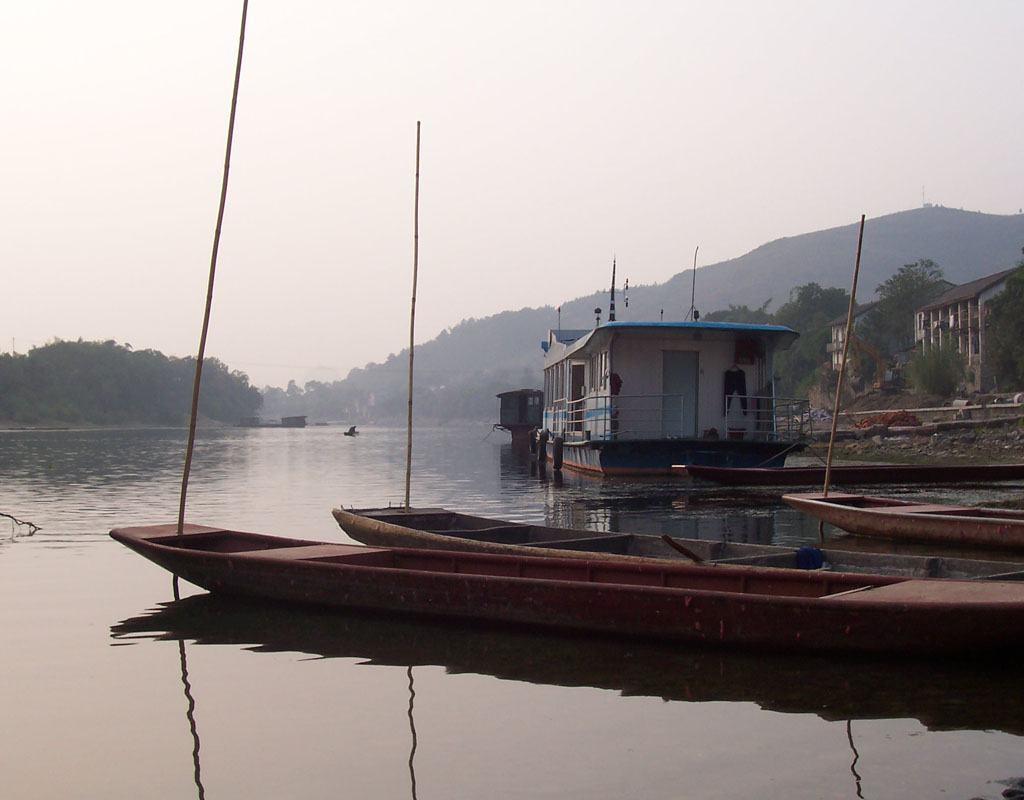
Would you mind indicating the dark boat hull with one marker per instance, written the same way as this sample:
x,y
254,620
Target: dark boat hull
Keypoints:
x,y
848,475
733,606
833,687
625,458
914,522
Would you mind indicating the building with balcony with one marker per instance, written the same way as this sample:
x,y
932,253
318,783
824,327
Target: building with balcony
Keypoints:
x,y
838,325
958,317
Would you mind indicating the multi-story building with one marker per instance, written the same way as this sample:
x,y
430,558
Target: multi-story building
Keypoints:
x,y
958,317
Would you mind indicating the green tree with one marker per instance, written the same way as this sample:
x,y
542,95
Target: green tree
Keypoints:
x,y
754,316
1004,337
889,326
809,311
936,370
105,383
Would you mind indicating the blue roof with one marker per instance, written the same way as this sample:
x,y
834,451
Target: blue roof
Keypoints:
x,y
708,326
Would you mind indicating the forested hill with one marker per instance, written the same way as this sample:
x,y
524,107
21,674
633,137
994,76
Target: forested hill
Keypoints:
x,y
459,372
104,383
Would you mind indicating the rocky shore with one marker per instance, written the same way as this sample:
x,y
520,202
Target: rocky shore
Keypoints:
x,y
985,441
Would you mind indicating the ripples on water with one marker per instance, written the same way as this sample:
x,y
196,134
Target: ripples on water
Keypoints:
x,y
498,714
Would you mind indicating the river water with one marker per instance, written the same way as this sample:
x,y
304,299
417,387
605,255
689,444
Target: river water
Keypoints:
x,y
113,689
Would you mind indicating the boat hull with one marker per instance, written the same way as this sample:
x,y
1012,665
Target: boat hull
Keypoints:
x,y
914,522
848,475
693,604
440,529
659,456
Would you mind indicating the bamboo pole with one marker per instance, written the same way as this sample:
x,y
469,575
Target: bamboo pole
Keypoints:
x,y
412,315
842,366
213,271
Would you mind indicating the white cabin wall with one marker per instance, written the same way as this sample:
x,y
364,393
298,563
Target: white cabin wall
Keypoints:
x,y
639,364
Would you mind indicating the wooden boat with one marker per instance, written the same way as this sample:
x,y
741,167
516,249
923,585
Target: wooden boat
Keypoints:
x,y
440,529
834,687
847,475
679,602
908,521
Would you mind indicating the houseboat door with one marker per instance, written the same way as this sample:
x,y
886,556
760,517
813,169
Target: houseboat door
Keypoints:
x,y
577,388
679,393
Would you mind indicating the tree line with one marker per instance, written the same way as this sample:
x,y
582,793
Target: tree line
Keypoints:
x,y
459,373
888,328
106,383
442,392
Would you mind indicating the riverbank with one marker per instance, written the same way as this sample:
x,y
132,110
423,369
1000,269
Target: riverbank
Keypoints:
x,y
990,441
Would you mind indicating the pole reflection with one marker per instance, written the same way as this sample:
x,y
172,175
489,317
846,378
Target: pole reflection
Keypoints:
x,y
412,728
190,715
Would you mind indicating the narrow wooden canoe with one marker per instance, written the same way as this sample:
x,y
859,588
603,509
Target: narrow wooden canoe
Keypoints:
x,y
687,603
848,475
833,686
440,529
902,520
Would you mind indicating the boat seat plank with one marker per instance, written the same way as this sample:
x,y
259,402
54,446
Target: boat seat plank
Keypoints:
x,y
598,544
507,534
938,592
310,552
922,508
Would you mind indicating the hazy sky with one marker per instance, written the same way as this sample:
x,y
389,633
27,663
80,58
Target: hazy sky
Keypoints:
x,y
555,134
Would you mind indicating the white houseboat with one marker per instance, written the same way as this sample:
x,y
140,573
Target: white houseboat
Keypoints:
x,y
634,398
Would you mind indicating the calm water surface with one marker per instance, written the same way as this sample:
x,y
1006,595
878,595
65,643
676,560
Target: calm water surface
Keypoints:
x,y
112,689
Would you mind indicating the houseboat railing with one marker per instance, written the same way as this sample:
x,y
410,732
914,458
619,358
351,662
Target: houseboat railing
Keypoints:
x,y
673,416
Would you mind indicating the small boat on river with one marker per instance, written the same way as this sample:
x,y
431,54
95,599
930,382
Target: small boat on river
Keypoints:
x,y
706,604
902,520
847,475
440,529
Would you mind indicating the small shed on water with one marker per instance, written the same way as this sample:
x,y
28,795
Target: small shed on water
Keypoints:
x,y
520,411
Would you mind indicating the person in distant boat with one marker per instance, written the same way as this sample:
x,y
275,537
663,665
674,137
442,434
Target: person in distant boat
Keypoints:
x,y
616,383
352,431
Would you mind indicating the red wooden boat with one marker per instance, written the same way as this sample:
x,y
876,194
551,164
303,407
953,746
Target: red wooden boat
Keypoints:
x,y
902,520
687,603
847,475
441,529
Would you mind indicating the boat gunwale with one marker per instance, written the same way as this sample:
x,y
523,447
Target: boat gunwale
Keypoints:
x,y
328,563
904,509
393,534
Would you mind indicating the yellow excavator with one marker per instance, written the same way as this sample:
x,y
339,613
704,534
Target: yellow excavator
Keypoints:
x,y
859,348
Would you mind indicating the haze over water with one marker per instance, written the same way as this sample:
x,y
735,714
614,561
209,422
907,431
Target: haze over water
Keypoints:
x,y
111,689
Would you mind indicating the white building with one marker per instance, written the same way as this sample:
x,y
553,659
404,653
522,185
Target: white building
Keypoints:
x,y
838,325
959,317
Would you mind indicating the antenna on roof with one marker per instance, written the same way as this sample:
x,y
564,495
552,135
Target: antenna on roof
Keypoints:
x,y
693,313
611,303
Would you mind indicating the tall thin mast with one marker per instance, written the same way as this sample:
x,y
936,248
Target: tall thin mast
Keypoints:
x,y
412,314
842,365
193,416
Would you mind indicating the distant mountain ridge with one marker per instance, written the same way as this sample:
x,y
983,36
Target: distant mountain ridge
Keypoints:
x,y
504,349
965,244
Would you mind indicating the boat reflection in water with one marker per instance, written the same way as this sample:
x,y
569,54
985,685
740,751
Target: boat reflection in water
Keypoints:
x,y
944,695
